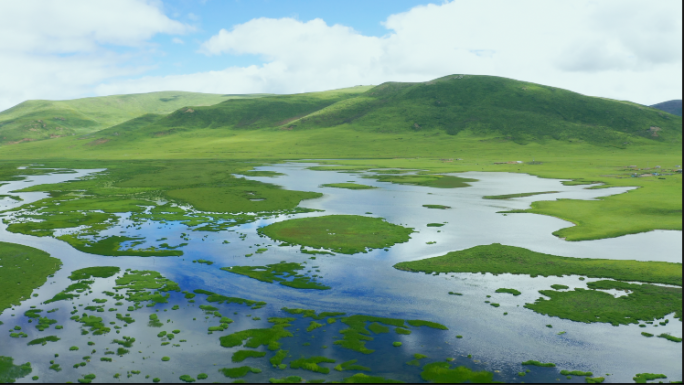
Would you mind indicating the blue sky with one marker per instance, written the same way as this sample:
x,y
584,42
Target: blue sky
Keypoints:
x,y
65,49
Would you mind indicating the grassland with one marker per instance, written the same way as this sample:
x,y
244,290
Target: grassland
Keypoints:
x,y
501,259
285,273
643,303
347,234
23,270
10,372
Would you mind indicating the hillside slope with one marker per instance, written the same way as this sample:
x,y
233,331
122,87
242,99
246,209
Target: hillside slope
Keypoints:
x,y
44,119
672,106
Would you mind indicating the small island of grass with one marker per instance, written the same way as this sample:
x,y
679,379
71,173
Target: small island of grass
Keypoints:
x,y
349,186
438,207
521,195
347,234
279,272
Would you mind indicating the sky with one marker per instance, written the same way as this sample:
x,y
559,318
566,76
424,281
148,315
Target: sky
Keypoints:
x,y
66,49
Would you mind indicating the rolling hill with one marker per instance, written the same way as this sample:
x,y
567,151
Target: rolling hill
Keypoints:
x,y
674,107
354,121
45,119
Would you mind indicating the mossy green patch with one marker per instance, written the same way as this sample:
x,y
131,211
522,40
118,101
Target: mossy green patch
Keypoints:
x,y
286,380
285,273
94,272
435,224
278,358
442,372
500,259
669,337
439,207
221,299
305,313
313,325
576,373
594,380
428,180
645,303
242,355
239,372
43,340
521,195
540,364
23,270
311,364
137,282
348,186
509,291
559,287
434,325
10,372
186,378
347,234
356,335
643,378
257,337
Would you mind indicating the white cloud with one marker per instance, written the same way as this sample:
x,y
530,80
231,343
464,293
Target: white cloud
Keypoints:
x,y
57,49
176,40
614,48
623,49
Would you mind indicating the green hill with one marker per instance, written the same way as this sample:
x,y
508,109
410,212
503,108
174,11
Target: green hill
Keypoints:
x,y
44,119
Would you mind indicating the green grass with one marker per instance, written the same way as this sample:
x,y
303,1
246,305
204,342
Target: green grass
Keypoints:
x,y
356,335
669,337
643,303
286,380
643,378
559,287
239,371
137,282
221,299
439,207
509,291
442,372
279,272
434,325
41,119
501,259
306,313
253,338
397,344
23,270
242,355
43,340
311,364
416,359
347,234
540,364
594,380
360,378
349,186
520,195
10,372
94,272
278,358
576,373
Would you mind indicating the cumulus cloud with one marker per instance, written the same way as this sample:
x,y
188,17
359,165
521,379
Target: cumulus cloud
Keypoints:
x,y
623,49
58,49
614,48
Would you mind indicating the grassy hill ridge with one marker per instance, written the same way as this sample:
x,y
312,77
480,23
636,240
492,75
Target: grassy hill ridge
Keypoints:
x,y
44,119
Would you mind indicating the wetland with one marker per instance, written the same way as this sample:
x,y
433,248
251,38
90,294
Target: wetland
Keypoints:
x,y
288,272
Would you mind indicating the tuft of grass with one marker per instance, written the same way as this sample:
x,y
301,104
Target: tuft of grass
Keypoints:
x,y
311,364
509,291
434,325
521,195
239,372
10,372
349,186
279,272
643,378
669,337
440,207
442,372
540,364
257,337
242,355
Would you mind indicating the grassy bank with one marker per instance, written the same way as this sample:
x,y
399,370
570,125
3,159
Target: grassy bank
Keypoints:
x,y
23,270
501,259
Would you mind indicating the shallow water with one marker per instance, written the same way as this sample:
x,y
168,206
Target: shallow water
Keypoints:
x,y
363,283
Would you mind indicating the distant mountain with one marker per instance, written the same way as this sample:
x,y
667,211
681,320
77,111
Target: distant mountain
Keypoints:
x,y
673,106
512,110
44,119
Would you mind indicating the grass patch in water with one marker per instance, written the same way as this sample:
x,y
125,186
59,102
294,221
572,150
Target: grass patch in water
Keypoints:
x,y
311,364
559,287
442,372
356,336
434,325
257,337
347,234
360,378
594,380
501,259
509,291
435,224
313,325
645,303
239,372
438,207
403,331
576,373
204,261
540,364
23,270
286,380
669,337
137,282
10,372
43,340
416,359
279,272
349,186
94,272
439,181
278,358
646,334
306,313
397,344
221,299
186,378
242,355
377,328
643,378
521,195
